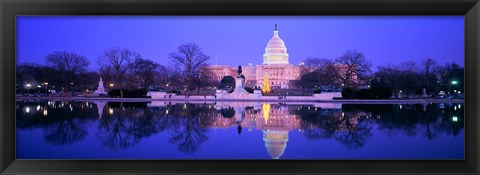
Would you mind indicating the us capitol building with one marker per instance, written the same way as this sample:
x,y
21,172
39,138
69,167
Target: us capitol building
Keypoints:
x,y
275,66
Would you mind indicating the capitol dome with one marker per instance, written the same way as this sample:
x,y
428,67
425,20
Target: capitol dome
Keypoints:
x,y
276,51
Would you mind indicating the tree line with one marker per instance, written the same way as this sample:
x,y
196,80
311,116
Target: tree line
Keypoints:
x,y
120,68
352,71
123,69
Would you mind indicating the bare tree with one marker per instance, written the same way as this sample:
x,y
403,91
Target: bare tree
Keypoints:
x,y
142,72
409,66
117,59
428,65
352,65
316,62
106,72
68,64
190,58
409,77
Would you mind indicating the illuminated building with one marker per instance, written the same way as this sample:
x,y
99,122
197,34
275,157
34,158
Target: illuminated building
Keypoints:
x,y
275,65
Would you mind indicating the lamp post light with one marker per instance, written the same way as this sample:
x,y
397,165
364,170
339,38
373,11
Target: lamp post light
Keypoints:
x,y
453,83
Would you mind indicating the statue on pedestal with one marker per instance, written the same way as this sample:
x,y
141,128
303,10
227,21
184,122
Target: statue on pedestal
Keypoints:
x,y
239,82
100,89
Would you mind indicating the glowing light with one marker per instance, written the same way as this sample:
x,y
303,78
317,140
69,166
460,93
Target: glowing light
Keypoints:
x,y
266,111
111,84
454,118
166,112
29,85
454,82
46,83
110,111
266,85
38,107
454,108
39,86
45,112
27,110
459,106
400,106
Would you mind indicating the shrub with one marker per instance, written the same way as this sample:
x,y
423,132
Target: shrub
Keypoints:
x,y
174,92
374,93
114,93
136,93
364,94
249,90
383,93
347,92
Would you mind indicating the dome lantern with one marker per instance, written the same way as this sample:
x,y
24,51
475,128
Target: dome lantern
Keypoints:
x,y
276,51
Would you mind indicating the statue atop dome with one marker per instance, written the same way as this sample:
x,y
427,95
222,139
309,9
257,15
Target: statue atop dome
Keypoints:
x,y
276,51
239,70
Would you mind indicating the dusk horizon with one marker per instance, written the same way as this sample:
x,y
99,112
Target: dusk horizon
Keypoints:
x,y
234,41
375,88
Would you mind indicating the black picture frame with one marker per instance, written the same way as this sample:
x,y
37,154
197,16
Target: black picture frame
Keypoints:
x,y
11,8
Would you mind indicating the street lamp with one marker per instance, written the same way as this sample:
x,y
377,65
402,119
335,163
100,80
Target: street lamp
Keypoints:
x,y
454,82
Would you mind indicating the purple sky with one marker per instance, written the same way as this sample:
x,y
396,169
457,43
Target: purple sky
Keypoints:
x,y
242,40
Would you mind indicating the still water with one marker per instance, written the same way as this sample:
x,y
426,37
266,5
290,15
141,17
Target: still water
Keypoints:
x,y
238,130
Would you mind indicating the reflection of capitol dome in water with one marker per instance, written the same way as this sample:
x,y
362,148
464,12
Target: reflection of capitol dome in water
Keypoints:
x,y
275,142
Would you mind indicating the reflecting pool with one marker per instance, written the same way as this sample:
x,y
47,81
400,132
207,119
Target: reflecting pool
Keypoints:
x,y
238,130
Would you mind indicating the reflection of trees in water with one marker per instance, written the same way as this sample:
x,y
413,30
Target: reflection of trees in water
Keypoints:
x,y
187,123
354,136
188,135
227,112
126,125
395,120
129,123
412,120
64,132
62,125
114,131
354,128
346,127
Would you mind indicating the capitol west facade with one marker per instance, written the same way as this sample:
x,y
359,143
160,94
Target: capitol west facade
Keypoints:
x,y
275,66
